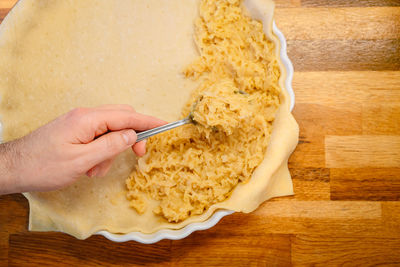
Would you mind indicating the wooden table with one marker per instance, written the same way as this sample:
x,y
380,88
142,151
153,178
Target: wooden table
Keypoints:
x,y
346,168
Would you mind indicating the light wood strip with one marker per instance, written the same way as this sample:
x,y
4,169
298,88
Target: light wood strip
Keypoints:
x,y
347,87
311,190
383,118
287,3
321,209
333,23
362,151
316,121
305,217
7,4
344,55
365,184
347,3
332,250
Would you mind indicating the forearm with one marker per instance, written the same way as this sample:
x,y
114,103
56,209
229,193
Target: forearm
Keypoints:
x,y
9,156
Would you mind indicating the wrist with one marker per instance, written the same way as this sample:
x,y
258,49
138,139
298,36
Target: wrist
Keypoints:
x,y
9,157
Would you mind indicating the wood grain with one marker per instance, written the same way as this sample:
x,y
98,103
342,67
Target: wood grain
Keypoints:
x,y
7,4
263,250
381,118
311,183
352,88
319,250
365,184
391,216
333,23
287,3
62,250
339,55
362,151
346,3
346,168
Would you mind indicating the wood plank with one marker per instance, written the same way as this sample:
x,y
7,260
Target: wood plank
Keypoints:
x,y
333,250
321,209
287,3
391,216
344,55
365,184
261,250
308,153
311,183
7,4
14,210
3,248
3,13
37,249
285,216
362,151
333,23
347,87
316,121
346,3
381,118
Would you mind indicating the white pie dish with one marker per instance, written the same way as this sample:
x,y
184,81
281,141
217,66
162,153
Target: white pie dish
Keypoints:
x,y
218,215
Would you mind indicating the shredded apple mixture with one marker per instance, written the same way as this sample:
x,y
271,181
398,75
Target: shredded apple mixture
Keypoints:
x,y
190,168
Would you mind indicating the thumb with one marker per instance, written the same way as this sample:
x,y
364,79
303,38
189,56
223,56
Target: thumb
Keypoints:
x,y
109,145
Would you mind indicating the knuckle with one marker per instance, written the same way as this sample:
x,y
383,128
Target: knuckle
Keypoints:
x,y
113,142
77,113
129,107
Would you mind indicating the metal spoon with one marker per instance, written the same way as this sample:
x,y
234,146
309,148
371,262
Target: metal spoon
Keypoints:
x,y
189,119
146,134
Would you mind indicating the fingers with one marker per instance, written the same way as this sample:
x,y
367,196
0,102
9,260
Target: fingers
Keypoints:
x,y
140,148
101,169
92,122
115,120
116,107
108,146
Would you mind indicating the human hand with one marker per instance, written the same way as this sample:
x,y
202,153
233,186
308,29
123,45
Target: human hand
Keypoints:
x,y
82,141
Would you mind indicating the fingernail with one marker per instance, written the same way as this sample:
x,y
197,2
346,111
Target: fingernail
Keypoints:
x,y
129,136
92,172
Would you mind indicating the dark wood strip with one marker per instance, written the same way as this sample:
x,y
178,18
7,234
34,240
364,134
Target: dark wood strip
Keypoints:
x,y
310,174
344,55
3,13
310,183
41,249
14,211
365,184
3,248
346,3
260,250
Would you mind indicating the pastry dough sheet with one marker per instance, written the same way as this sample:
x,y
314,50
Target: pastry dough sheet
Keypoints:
x,y
57,55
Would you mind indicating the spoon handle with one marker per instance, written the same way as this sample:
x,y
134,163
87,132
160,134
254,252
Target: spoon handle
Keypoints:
x,y
146,134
